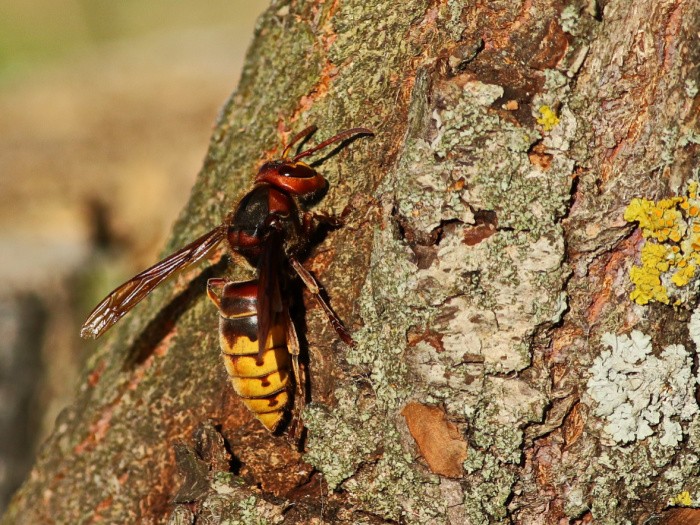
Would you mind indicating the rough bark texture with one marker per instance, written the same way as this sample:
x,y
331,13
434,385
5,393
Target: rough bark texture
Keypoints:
x,y
483,262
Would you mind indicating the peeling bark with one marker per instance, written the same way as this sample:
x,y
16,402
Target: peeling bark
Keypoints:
x,y
483,260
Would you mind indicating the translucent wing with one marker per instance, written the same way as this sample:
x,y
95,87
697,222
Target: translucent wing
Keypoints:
x,y
125,297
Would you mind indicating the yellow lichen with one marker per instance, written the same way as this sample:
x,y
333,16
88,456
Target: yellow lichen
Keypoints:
x,y
684,274
671,253
660,220
681,500
548,119
647,278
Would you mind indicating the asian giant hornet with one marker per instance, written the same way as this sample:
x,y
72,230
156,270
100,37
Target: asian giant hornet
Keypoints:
x,y
270,229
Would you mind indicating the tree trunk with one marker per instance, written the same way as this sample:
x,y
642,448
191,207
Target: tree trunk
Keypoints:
x,y
483,268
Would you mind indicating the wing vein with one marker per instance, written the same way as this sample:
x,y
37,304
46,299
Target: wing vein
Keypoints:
x,y
125,297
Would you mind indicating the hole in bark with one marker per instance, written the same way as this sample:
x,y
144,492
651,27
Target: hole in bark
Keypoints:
x,y
485,225
538,156
455,61
416,334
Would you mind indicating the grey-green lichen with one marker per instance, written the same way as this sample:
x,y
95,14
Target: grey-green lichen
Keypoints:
x,y
395,488
248,510
377,31
518,269
495,163
339,441
497,437
635,470
347,441
569,18
487,498
381,341
232,507
353,441
451,19
484,300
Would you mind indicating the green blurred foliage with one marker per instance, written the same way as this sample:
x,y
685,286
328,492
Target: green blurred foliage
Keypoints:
x,y
33,32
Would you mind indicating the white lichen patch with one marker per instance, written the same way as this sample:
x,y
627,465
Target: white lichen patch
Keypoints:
x,y
638,394
694,328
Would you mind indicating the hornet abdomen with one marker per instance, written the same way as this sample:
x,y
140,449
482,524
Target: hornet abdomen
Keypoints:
x,y
260,378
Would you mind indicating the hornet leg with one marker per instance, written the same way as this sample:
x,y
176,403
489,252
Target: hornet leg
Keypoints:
x,y
313,287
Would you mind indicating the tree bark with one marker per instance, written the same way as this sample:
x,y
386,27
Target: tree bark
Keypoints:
x,y
483,268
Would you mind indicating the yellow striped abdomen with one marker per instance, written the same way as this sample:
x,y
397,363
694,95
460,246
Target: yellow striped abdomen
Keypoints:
x,y
263,384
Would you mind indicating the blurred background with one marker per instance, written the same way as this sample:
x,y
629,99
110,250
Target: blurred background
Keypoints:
x,y
106,109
